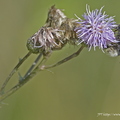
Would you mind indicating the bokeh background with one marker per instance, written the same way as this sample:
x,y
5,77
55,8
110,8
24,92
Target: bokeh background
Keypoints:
x,y
76,90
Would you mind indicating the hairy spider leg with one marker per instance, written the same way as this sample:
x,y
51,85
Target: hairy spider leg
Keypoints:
x,y
13,71
33,65
26,78
43,67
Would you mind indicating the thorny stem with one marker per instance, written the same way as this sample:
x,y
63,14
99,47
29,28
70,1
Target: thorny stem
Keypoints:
x,y
14,70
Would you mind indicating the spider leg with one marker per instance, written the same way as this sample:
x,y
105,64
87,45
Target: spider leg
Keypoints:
x,y
32,72
29,74
63,60
33,65
13,71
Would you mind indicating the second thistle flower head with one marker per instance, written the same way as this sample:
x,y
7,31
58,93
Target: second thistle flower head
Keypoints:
x,y
96,29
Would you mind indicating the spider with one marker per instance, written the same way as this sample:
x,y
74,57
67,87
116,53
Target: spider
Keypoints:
x,y
54,35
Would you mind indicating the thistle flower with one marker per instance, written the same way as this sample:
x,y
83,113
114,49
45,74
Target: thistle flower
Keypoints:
x,y
96,29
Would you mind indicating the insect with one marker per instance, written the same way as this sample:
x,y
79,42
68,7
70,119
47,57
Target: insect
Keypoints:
x,y
113,50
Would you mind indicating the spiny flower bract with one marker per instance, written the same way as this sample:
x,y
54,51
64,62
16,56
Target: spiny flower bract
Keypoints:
x,y
96,29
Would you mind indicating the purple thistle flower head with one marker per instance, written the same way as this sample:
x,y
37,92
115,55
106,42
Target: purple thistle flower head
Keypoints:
x,y
96,29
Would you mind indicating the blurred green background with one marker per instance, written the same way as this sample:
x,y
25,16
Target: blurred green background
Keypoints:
x,y
76,90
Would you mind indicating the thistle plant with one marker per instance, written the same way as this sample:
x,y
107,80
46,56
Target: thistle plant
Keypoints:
x,y
96,30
